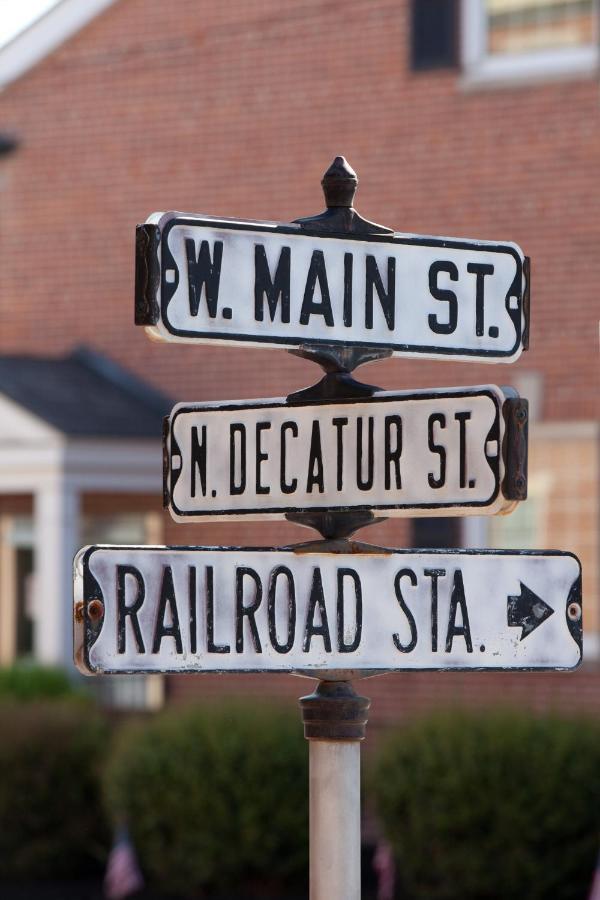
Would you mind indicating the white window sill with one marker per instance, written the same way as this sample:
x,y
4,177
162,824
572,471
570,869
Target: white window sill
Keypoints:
x,y
531,68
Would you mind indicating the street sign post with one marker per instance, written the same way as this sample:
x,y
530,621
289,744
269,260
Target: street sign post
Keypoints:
x,y
342,291
332,615
207,280
436,452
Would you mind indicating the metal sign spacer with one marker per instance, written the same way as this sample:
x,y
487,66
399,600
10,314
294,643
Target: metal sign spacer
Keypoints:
x,y
334,712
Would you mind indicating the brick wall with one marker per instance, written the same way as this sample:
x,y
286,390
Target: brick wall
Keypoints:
x,y
398,697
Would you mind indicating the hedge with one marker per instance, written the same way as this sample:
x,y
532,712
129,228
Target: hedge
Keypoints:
x,y
51,818
214,797
25,681
498,806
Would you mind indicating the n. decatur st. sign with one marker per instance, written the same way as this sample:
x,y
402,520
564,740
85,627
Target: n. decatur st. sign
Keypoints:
x,y
203,279
439,451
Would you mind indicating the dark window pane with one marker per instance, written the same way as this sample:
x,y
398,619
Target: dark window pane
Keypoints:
x,y
24,559
434,34
434,532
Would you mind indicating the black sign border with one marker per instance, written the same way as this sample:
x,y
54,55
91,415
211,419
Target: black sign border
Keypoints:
x,y
493,434
91,591
170,220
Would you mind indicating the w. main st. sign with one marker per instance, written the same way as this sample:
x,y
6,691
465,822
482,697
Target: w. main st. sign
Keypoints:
x,y
203,279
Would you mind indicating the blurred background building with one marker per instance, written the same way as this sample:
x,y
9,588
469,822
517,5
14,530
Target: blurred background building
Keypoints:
x,y
476,118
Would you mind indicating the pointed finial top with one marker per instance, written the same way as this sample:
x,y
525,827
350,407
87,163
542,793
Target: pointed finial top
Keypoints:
x,y
339,183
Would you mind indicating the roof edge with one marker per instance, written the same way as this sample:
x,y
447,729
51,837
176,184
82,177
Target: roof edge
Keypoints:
x,y
44,35
123,378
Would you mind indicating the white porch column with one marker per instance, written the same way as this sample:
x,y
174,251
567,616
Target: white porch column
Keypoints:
x,y
8,600
56,529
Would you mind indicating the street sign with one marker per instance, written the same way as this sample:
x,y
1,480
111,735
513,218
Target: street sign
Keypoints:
x,y
204,279
435,452
327,614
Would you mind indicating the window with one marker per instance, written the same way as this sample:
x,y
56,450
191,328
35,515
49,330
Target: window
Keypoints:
x,y
512,39
128,528
25,618
526,527
521,26
17,612
434,532
434,34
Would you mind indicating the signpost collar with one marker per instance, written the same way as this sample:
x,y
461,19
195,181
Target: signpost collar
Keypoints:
x,y
335,712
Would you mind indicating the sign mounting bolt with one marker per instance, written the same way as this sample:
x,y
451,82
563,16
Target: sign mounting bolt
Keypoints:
x,y
574,612
95,609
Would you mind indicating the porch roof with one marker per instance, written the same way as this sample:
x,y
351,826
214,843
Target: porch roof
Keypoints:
x,y
84,394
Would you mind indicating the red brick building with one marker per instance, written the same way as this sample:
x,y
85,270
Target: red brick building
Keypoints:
x,y
470,118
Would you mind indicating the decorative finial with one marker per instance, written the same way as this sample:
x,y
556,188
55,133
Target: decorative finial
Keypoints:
x,y
339,184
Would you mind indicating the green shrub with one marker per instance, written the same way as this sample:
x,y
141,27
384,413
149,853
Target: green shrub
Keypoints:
x,y
492,806
214,797
51,821
33,682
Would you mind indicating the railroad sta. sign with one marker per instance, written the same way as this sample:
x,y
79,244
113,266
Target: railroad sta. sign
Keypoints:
x,y
203,279
169,609
442,451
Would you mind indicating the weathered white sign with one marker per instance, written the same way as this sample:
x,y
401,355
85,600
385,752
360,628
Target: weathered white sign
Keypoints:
x,y
206,279
169,609
419,453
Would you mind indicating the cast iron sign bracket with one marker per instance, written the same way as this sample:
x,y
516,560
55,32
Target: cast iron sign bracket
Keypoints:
x,y
340,182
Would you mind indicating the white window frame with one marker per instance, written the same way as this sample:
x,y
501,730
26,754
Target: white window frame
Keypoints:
x,y
482,69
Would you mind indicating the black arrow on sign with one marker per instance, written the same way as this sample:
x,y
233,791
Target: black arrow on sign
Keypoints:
x,y
527,611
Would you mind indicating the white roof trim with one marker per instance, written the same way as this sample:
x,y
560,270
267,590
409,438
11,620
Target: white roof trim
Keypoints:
x,y
44,35
21,427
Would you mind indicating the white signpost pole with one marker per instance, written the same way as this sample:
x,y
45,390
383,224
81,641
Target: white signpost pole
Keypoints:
x,y
335,720
334,820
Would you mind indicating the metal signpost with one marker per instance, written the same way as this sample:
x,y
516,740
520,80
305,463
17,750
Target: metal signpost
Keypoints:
x,y
341,291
